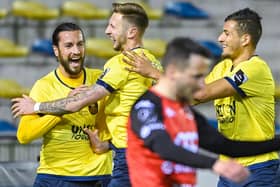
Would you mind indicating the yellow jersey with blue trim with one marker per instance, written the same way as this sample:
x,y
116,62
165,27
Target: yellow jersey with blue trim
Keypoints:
x,y
125,88
248,115
66,151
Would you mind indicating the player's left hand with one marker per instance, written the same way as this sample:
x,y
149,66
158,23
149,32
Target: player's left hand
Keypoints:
x,y
98,146
22,105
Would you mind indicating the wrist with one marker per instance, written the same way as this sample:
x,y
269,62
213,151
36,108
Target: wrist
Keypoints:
x,y
36,107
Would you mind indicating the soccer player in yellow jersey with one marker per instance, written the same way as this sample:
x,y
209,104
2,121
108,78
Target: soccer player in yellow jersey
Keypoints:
x,y
121,88
242,88
66,157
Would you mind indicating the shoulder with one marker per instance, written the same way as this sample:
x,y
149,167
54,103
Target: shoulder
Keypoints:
x,y
256,66
93,72
46,79
147,100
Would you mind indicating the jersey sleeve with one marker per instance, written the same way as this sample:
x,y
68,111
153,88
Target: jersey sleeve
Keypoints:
x,y
211,140
114,75
32,127
251,78
147,124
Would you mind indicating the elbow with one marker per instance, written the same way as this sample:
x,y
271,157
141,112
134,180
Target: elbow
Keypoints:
x,y
23,139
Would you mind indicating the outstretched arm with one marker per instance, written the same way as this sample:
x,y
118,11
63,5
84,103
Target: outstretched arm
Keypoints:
x,y
157,136
210,139
70,104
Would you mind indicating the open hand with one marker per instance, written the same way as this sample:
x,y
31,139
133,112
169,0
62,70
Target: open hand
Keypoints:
x,y
22,105
139,63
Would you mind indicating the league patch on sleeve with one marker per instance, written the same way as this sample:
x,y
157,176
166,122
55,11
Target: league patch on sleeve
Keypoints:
x,y
239,77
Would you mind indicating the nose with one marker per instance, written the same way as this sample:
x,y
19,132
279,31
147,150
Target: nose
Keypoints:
x,y
107,30
221,38
76,49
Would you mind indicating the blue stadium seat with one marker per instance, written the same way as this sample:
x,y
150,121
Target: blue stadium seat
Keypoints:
x,y
184,10
6,126
42,46
212,46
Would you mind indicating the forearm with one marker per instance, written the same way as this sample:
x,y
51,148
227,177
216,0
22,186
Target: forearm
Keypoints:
x,y
178,154
61,106
244,148
73,103
214,141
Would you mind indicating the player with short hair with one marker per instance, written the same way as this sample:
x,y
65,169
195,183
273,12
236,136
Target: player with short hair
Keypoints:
x,y
66,157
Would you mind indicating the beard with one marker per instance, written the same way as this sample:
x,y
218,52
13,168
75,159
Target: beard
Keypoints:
x,y
119,43
68,69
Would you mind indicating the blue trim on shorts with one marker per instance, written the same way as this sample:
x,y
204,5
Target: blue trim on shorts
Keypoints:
x,y
263,164
105,85
73,178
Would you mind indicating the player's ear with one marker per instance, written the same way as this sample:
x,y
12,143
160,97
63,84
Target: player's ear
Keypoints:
x,y
132,32
55,50
245,39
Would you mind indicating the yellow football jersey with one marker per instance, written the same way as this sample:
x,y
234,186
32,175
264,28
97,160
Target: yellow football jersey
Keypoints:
x,y
66,149
125,88
248,115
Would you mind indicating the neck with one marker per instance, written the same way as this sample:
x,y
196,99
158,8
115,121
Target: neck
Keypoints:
x,y
166,88
132,44
244,56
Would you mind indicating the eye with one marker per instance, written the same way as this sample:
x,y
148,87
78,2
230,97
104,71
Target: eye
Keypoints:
x,y
198,76
68,45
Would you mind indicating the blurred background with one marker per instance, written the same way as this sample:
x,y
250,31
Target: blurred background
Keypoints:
x,y
26,54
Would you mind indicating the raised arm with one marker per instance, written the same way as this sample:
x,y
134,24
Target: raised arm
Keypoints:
x,y
70,104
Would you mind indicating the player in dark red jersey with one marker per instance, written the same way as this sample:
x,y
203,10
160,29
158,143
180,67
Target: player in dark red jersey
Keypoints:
x,y
165,133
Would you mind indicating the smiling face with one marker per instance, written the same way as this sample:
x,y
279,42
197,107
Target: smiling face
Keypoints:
x,y
70,52
117,30
231,40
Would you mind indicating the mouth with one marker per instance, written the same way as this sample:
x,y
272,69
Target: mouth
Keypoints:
x,y
75,62
112,39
